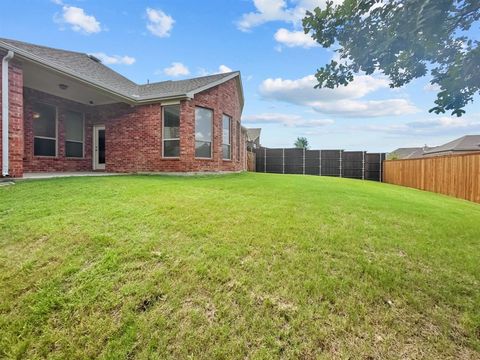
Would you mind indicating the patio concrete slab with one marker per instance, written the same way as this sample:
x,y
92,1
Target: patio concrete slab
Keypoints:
x,y
51,175
6,183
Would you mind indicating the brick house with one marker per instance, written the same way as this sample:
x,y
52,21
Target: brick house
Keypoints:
x,y
68,112
463,145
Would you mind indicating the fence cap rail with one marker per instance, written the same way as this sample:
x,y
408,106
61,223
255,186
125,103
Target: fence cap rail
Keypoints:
x,y
473,153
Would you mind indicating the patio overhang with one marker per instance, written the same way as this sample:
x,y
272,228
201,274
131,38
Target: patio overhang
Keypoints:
x,y
39,77
54,82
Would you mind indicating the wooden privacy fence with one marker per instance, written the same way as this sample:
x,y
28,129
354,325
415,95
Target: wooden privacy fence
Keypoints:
x,y
340,163
251,161
453,175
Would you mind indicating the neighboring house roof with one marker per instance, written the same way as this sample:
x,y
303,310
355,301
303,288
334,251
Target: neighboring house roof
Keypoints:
x,y
408,153
89,69
465,143
253,134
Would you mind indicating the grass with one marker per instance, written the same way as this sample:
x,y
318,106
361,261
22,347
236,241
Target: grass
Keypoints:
x,y
237,266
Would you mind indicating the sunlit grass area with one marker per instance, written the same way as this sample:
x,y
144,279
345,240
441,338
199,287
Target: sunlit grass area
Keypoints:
x,y
240,266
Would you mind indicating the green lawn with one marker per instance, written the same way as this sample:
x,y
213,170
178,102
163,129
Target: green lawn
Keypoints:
x,y
238,266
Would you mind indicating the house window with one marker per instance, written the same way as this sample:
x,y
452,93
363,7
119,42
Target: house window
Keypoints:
x,y
171,131
203,132
74,130
44,130
226,138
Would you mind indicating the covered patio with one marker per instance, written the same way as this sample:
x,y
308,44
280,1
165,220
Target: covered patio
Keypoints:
x,y
57,121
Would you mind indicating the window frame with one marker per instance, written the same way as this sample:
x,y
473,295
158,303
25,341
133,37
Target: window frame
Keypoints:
x,y
212,121
230,120
46,137
239,133
163,131
75,141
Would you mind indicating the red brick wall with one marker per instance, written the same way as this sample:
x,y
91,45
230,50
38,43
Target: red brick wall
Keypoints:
x,y
222,99
134,135
60,162
15,83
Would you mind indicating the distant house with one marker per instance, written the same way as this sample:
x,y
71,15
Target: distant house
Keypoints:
x,y
65,111
253,138
407,153
465,144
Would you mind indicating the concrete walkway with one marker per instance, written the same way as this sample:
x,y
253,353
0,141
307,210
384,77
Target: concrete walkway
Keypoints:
x,y
51,175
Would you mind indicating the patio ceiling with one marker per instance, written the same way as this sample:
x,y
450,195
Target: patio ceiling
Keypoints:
x,y
40,78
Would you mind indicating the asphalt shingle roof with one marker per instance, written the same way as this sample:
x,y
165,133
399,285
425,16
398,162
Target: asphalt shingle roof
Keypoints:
x,y
253,134
90,69
465,143
171,88
408,153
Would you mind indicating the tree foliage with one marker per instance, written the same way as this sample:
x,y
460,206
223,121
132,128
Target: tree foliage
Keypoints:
x,y
301,143
405,40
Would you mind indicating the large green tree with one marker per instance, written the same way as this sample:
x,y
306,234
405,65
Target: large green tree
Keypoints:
x,y
405,40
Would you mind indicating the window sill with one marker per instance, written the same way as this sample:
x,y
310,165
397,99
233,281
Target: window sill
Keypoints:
x,y
204,159
170,158
45,157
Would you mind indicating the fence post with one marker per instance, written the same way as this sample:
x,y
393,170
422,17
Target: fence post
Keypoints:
x,y
363,165
283,161
340,153
380,174
320,162
265,160
303,161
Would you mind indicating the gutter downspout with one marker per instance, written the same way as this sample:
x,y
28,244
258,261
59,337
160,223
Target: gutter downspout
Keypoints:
x,y
5,113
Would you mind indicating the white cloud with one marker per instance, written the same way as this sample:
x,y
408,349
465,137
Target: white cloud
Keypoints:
x,y
443,125
79,20
431,87
222,69
366,108
114,59
446,122
176,69
266,10
278,10
294,38
302,90
202,72
285,119
342,101
159,23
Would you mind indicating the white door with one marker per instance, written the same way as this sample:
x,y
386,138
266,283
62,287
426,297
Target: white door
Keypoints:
x,y
99,147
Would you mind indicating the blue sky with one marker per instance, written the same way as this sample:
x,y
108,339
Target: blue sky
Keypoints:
x,y
157,40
